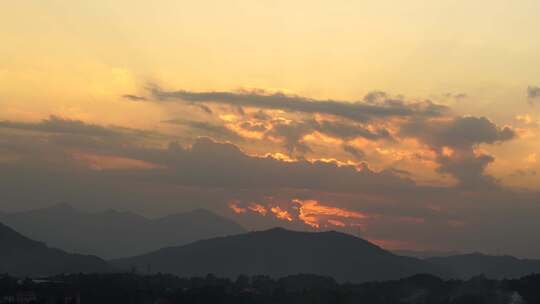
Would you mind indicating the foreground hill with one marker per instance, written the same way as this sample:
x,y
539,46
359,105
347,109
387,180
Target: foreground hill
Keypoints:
x,y
113,234
20,256
466,266
279,252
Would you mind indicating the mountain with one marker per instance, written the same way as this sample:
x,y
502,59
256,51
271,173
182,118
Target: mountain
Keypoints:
x,y
279,252
21,256
466,266
113,234
425,254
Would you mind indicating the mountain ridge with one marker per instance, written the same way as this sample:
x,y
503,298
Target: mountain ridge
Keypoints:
x,y
22,256
279,252
465,266
113,234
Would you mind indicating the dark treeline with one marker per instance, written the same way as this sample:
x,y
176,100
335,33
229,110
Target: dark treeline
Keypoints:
x,y
161,288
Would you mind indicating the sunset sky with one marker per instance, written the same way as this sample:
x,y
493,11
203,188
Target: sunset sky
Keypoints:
x,y
414,124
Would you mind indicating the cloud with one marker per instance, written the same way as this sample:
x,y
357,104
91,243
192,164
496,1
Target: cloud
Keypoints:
x,y
258,208
289,130
459,132
371,119
55,124
292,133
317,215
375,96
132,97
104,171
469,169
106,162
281,213
349,131
205,164
377,117
237,209
528,120
58,125
311,213
371,108
455,140
208,163
532,158
524,173
208,129
262,116
205,109
533,92
253,126
357,153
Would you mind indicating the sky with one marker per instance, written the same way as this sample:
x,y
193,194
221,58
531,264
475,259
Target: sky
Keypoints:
x,y
413,124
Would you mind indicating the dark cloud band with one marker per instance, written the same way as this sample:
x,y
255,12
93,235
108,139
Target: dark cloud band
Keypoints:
x,y
361,111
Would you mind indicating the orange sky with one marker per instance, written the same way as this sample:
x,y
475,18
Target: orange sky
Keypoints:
x,y
408,107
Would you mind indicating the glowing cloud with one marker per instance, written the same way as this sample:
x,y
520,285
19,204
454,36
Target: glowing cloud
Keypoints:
x,y
316,215
337,223
281,214
309,212
258,208
236,209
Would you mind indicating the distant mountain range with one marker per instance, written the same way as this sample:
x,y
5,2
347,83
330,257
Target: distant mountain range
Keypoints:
x,y
113,234
21,256
200,242
279,252
468,265
465,266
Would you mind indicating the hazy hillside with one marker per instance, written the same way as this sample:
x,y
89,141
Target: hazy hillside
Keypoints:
x,y
113,234
468,265
21,256
279,252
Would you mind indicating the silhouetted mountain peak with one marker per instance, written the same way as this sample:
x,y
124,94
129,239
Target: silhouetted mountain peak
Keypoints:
x,y
330,235
280,252
99,232
6,233
20,255
11,239
4,228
